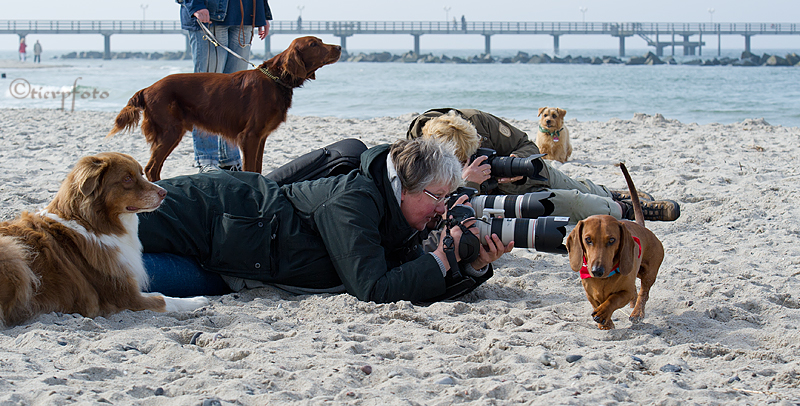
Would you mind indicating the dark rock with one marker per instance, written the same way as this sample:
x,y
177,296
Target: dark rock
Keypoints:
x,y
636,60
776,60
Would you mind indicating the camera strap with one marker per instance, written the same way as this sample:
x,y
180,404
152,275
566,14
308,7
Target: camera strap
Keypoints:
x,y
450,253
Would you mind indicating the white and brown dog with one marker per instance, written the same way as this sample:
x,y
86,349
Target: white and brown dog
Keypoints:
x,y
553,136
82,253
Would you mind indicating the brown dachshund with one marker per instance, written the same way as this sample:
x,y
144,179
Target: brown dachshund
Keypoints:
x,y
610,255
243,107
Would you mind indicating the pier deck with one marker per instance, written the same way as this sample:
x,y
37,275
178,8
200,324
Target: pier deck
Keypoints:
x,y
678,34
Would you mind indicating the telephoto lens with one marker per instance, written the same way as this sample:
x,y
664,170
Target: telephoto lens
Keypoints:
x,y
509,167
530,205
545,234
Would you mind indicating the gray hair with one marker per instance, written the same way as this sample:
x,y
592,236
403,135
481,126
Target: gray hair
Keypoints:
x,y
423,161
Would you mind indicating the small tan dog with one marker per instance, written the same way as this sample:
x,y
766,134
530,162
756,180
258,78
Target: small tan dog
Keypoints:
x,y
609,255
553,136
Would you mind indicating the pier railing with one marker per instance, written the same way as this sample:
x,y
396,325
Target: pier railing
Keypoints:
x,y
410,27
344,29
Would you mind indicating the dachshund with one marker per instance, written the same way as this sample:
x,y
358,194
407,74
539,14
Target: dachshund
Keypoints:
x,y
609,255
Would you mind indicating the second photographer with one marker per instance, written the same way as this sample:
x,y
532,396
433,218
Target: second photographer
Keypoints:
x,y
577,199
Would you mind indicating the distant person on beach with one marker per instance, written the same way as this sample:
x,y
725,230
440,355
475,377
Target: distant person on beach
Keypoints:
x,y
22,48
361,233
577,199
232,23
37,52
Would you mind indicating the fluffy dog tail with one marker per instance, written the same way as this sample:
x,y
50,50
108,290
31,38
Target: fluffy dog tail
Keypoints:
x,y
128,117
18,283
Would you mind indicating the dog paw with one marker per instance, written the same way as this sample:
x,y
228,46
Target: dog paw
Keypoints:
x,y
174,304
606,326
636,318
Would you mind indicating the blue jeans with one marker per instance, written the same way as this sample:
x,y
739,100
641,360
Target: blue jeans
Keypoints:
x,y
179,276
210,149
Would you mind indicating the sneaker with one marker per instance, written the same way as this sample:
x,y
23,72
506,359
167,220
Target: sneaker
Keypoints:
x,y
232,168
208,168
626,195
658,210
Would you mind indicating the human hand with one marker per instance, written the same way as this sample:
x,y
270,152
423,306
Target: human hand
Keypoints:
x,y
263,31
492,251
202,16
477,171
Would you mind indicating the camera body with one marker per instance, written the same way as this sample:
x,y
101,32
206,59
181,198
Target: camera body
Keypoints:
x,y
509,167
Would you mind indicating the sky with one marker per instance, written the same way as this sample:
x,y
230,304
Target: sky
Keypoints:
x,y
667,11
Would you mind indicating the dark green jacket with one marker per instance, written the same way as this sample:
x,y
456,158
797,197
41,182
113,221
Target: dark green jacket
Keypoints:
x,y
496,134
347,229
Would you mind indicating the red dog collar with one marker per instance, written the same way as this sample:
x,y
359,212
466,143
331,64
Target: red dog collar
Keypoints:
x,y
585,267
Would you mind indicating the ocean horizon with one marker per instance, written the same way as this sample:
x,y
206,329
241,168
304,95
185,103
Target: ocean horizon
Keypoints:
x,y
701,94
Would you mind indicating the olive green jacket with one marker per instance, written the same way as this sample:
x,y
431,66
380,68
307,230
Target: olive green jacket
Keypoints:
x,y
344,230
496,134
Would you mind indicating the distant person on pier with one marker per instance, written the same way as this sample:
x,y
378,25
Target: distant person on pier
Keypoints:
x,y
463,23
299,23
233,24
37,52
22,48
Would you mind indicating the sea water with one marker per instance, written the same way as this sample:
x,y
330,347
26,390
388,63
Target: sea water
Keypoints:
x,y
701,94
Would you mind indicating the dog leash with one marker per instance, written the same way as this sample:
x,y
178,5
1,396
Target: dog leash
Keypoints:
x,y
213,40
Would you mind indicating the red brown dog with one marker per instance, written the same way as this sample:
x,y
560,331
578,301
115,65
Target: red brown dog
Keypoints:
x,y
610,255
243,107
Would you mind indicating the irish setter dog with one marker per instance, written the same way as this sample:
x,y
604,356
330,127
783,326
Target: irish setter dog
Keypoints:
x,y
243,107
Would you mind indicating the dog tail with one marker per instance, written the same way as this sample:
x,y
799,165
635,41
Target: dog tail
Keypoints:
x,y
637,208
18,283
128,117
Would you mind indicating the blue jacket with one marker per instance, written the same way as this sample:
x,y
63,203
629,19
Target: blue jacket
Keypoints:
x,y
219,12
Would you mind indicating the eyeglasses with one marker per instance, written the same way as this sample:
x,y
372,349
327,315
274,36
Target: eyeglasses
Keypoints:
x,y
438,198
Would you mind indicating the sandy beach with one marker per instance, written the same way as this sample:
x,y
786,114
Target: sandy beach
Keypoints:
x,y
721,324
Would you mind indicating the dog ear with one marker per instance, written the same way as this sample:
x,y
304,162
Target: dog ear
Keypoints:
x,y
294,65
627,250
541,109
575,247
88,173
561,112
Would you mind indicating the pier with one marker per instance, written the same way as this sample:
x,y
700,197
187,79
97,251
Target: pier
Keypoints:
x,y
689,37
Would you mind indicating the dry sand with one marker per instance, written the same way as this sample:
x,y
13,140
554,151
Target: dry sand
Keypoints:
x,y
721,327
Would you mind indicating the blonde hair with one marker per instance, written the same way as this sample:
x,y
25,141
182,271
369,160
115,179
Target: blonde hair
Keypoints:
x,y
454,129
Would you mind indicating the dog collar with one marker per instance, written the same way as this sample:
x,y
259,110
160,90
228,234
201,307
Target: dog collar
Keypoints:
x,y
273,77
585,267
554,134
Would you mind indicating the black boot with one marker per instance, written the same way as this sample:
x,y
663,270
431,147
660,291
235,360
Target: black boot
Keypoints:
x,y
658,210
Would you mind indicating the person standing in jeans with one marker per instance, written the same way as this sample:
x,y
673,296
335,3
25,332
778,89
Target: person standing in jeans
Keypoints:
x,y
233,24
